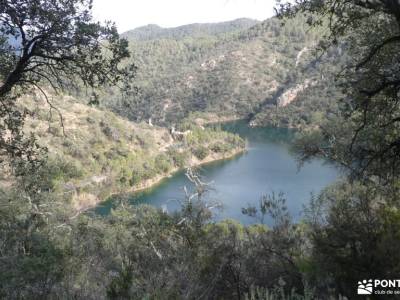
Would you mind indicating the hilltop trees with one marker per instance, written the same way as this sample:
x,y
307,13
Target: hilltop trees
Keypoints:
x,y
52,44
351,232
237,71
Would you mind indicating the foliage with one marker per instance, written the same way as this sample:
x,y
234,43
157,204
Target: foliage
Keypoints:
x,y
141,252
354,234
228,72
201,152
53,43
100,153
354,226
351,230
153,32
257,293
369,108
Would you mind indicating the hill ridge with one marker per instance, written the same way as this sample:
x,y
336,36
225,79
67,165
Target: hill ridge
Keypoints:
x,y
154,31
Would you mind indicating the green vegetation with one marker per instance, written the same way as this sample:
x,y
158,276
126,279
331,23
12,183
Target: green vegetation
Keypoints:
x,y
154,32
351,231
40,44
223,71
139,252
98,152
201,152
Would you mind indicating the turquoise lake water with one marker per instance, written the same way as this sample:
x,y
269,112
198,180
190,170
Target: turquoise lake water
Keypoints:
x,y
267,166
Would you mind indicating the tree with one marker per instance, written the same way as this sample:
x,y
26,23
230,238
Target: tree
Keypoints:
x,y
354,236
352,224
365,139
53,43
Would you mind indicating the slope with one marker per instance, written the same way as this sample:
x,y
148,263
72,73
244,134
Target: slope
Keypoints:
x,y
95,153
252,73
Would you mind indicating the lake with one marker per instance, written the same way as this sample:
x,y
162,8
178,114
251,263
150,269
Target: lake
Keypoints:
x,y
267,166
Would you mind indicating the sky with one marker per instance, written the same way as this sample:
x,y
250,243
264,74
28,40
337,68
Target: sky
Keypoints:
x,y
129,14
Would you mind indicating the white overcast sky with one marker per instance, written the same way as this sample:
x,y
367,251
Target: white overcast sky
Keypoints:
x,y
129,14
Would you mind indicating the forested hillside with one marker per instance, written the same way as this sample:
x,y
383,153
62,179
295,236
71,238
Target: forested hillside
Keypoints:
x,y
153,32
267,73
93,153
58,155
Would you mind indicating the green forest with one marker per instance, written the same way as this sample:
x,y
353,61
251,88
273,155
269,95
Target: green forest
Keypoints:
x,y
236,68
87,114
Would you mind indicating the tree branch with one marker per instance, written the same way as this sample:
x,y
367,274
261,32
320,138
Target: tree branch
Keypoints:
x,y
377,49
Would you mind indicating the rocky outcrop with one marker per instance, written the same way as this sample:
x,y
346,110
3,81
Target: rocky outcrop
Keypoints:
x,y
178,135
300,54
291,94
283,97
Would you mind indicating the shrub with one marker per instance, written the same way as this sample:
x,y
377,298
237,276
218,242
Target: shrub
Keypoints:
x,y
149,171
135,178
201,152
220,148
163,163
180,159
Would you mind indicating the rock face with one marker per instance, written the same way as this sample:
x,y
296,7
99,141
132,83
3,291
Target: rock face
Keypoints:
x,y
291,94
300,54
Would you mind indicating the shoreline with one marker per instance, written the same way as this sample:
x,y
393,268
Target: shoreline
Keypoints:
x,y
90,201
211,119
153,182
